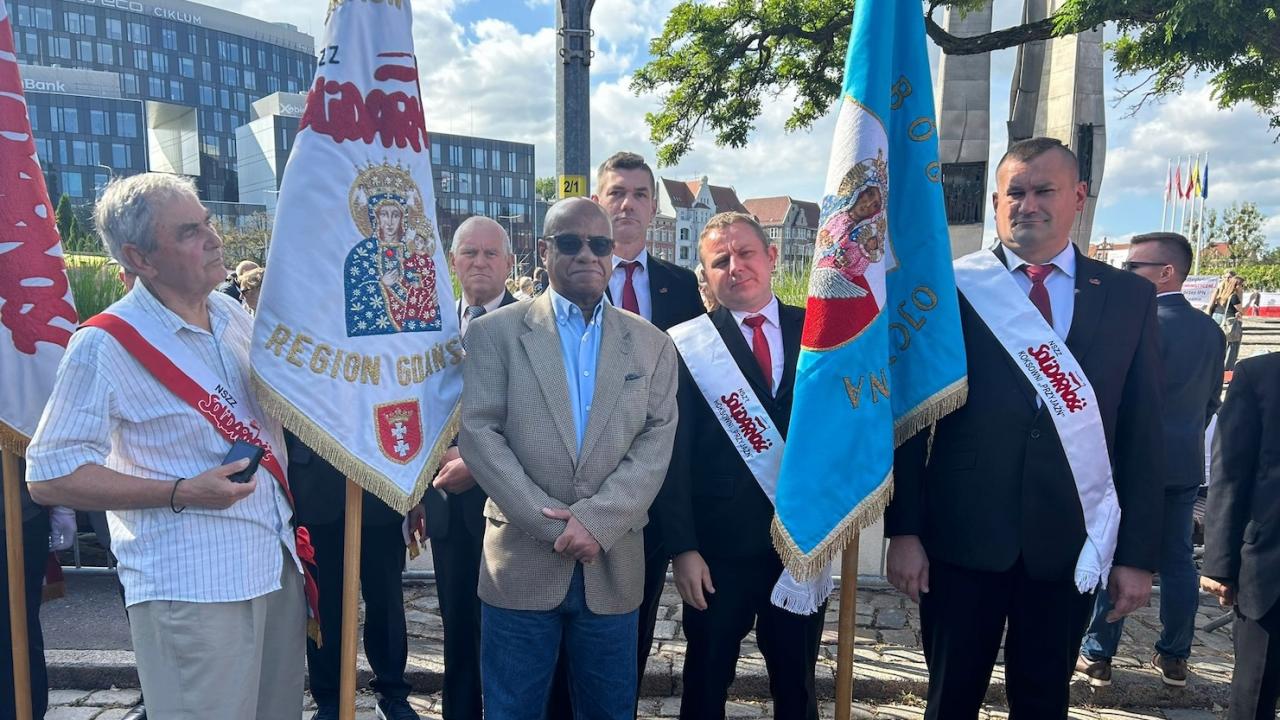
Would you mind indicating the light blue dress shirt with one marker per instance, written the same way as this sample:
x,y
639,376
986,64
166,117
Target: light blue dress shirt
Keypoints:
x,y
580,348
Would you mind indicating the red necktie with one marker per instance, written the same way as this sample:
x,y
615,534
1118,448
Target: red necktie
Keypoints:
x,y
760,347
1039,293
629,300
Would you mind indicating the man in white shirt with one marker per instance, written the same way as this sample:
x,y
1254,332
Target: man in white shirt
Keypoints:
x,y
986,525
716,512
212,579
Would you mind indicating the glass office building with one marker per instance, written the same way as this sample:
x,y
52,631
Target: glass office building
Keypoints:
x,y
483,176
186,75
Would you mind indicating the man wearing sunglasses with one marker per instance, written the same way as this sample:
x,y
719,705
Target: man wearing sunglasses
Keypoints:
x,y
1191,351
568,418
665,295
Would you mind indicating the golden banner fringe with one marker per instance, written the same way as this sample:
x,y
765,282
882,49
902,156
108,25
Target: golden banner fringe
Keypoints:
x,y
13,441
806,565
338,455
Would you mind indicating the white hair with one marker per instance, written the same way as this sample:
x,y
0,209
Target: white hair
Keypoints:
x,y
474,223
125,215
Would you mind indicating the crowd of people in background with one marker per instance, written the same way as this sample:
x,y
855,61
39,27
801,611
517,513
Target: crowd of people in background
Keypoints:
x,y
588,463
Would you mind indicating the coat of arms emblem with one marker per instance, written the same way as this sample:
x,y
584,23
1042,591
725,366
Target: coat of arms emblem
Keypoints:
x,y
399,428
390,276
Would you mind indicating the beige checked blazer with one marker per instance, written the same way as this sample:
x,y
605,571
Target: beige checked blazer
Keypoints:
x,y
519,441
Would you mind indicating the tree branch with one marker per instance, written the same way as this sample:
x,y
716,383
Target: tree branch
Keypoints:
x,y
986,42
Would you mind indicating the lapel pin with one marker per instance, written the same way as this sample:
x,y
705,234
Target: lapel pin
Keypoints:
x,y
662,291
1095,281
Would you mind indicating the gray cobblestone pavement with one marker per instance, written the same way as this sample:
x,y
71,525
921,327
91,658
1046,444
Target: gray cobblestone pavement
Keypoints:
x,y
112,704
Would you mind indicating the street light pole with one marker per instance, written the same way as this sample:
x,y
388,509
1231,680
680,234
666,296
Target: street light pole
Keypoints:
x,y
573,96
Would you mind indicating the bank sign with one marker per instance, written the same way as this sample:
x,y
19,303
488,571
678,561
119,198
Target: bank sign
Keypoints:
x,y
143,9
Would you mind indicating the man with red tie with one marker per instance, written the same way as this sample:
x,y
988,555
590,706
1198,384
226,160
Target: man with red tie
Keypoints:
x,y
1046,486
665,295
716,507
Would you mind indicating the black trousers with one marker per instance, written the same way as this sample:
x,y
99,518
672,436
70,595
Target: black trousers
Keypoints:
x,y
789,642
962,618
456,558
656,562
386,643
1255,686
35,551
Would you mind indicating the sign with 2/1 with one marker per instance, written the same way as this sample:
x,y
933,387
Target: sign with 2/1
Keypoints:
x,y
573,186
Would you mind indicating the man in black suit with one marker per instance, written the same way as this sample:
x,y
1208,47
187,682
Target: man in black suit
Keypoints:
x,y
712,511
986,524
319,492
665,295
454,505
1192,348
1242,532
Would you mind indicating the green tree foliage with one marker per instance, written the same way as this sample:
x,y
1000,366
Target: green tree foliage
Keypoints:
x,y
63,216
248,241
1242,231
714,65
545,188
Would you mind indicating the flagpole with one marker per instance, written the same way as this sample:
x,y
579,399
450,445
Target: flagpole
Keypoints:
x,y
1201,238
1177,188
847,629
350,587
1168,185
17,588
1182,216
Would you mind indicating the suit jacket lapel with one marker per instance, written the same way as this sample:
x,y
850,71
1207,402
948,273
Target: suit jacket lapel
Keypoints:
x,y
742,354
792,328
1091,297
1020,380
542,345
658,281
611,370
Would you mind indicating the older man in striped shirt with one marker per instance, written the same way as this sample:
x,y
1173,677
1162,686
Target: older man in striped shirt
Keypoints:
x,y
211,574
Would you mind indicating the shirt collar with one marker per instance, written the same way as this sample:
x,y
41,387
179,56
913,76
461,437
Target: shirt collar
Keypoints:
x,y
142,296
565,309
770,313
1064,261
642,258
488,307
1171,292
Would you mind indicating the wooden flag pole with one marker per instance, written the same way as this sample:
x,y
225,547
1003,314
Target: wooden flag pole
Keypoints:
x,y
17,587
350,590
847,629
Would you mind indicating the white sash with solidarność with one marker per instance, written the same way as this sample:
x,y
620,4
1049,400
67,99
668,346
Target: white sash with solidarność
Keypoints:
x,y
1060,383
753,435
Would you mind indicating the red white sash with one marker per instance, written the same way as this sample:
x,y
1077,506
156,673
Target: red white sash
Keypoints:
x,y
1062,386
752,433
193,383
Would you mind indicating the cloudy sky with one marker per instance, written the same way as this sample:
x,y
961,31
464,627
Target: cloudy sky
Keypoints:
x,y
488,68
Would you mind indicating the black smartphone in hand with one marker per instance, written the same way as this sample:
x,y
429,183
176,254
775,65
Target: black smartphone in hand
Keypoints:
x,y
239,451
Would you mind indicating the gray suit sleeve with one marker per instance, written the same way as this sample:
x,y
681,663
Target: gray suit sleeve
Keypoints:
x,y
625,495
484,447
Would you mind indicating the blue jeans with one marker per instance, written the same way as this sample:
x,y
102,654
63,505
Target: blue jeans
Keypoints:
x,y
1179,588
519,649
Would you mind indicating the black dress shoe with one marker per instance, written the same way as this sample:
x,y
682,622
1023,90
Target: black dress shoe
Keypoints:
x,y
137,713
396,709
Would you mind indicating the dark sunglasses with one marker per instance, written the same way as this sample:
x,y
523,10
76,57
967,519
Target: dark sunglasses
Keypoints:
x,y
1131,265
570,244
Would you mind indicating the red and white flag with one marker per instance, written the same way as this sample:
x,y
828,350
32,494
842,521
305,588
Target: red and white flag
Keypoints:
x,y
356,345
37,313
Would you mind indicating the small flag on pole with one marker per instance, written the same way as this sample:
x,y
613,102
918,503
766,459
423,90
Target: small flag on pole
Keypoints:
x,y
1204,180
1177,179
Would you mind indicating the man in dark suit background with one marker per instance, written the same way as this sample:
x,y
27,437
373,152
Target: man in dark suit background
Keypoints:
x,y
454,505
1242,532
713,514
1192,349
665,295
319,492
986,525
